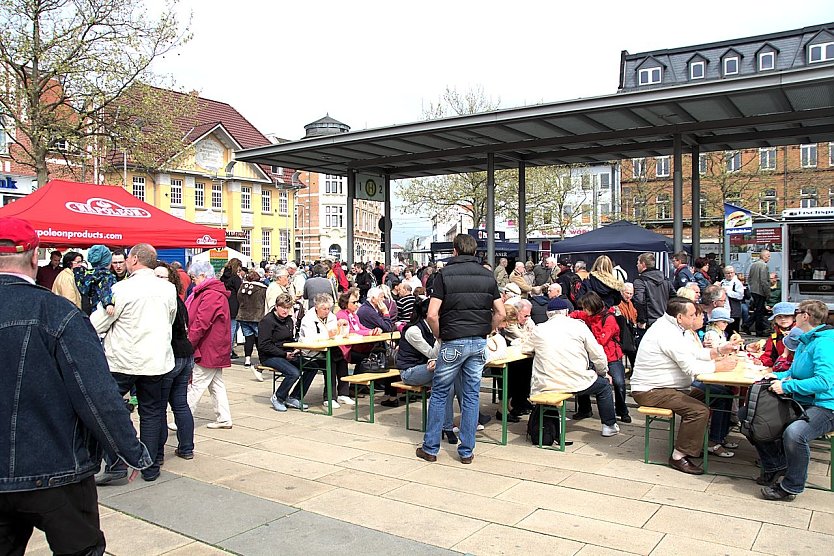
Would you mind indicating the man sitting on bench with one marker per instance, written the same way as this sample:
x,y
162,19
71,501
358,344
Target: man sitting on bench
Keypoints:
x,y
663,371
563,348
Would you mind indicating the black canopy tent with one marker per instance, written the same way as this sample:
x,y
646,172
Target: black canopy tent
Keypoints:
x,y
623,241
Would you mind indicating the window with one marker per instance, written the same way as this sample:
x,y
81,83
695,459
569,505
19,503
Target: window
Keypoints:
x,y
639,167
767,204
276,170
333,185
808,156
831,196
820,52
605,209
4,136
284,244
176,192
139,187
585,182
586,214
605,181
246,246
733,161
767,158
808,197
697,70
731,65
283,202
639,208
245,198
266,236
649,76
702,164
217,195
662,166
702,210
767,61
266,200
663,207
199,195
60,145
333,216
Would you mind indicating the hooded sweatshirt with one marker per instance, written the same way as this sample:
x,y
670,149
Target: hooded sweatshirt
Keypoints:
x,y
652,291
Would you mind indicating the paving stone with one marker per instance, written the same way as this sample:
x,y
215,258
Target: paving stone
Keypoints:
x,y
383,464
594,550
704,526
128,536
465,478
775,539
361,481
500,540
636,470
823,522
811,499
311,534
197,549
610,485
107,491
589,530
207,468
680,544
220,448
307,449
205,512
521,470
279,487
270,461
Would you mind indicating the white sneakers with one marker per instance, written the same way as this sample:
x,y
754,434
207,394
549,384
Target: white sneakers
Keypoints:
x,y
345,400
219,425
259,376
172,426
335,404
610,431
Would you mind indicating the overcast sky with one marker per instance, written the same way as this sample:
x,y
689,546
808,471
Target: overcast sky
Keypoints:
x,y
376,63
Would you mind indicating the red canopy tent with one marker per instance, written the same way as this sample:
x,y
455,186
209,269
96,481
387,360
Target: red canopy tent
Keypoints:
x,y
85,214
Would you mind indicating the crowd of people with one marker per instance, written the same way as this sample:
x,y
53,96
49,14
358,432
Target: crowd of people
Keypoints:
x,y
162,335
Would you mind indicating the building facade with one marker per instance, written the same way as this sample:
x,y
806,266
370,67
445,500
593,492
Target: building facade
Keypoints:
x,y
766,180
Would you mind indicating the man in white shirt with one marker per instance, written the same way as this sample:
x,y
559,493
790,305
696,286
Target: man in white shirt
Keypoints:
x,y
137,343
667,362
563,349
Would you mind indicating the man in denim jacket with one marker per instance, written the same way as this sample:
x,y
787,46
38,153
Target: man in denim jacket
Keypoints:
x,y
59,406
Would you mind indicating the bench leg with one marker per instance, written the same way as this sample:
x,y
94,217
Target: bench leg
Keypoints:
x,y
425,414
541,426
672,435
371,388
356,402
562,426
831,463
407,410
646,440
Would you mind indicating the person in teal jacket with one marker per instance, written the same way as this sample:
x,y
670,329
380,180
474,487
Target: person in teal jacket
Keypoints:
x,y
810,381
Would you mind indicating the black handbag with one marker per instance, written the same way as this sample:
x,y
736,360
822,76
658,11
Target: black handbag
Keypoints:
x,y
382,358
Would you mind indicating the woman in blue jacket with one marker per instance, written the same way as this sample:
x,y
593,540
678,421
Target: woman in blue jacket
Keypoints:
x,y
810,381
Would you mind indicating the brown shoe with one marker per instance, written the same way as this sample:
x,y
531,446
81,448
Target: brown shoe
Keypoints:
x,y
685,466
423,455
468,460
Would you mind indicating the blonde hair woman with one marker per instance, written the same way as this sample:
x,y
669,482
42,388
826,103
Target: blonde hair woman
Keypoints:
x,y
603,282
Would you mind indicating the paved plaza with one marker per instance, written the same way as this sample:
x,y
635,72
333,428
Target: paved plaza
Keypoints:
x,y
300,483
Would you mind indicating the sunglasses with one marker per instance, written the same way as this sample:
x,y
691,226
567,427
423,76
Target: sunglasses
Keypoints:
x,y
800,313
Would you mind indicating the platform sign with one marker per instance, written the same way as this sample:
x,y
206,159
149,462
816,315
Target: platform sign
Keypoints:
x,y
370,187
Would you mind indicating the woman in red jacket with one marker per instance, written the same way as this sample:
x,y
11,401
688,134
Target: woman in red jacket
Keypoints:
x,y
600,319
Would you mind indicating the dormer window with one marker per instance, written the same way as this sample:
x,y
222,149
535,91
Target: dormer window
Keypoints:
x,y
649,76
731,65
697,70
820,52
767,61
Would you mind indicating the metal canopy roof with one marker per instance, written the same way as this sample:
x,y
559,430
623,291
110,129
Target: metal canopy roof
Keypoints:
x,y
790,107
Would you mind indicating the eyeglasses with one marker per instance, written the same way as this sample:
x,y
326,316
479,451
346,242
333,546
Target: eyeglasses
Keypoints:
x,y
795,313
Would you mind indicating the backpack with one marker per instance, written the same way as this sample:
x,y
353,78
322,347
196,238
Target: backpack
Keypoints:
x,y
550,434
627,333
768,413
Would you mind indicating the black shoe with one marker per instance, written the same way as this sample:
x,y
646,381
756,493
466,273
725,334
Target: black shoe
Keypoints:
x,y
149,478
767,478
453,438
107,477
390,403
776,492
579,415
235,355
625,418
483,418
184,455
510,417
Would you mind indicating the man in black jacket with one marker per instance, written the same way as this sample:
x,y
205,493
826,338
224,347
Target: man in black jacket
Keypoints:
x,y
465,307
274,330
364,281
652,290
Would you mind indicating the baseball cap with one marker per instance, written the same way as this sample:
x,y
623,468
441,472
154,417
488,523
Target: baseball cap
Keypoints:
x,y
557,304
783,308
512,288
720,314
20,233
791,341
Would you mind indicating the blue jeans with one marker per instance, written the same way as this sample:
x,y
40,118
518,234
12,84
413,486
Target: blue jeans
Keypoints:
x,y
420,375
234,326
291,375
719,424
616,370
176,383
601,389
464,358
793,453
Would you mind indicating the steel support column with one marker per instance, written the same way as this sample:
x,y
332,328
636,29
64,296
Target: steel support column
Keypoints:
x,y
490,216
677,194
696,201
351,191
389,228
522,211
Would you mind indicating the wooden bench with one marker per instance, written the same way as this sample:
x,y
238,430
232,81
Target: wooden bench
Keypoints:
x,y
275,374
367,379
409,390
552,401
664,416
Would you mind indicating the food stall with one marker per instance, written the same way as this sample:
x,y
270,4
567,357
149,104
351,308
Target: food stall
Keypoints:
x,y
808,251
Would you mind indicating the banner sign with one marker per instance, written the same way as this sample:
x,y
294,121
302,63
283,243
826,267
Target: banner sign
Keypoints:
x,y
370,187
737,220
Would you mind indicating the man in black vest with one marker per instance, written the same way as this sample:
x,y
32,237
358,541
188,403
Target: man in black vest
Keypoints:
x,y
465,307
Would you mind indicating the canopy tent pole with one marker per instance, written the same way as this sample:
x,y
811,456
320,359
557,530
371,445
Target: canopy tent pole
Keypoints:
x,y
490,223
351,191
696,201
677,194
522,211
388,223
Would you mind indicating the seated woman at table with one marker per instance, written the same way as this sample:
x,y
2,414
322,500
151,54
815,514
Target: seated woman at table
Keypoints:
x,y
320,323
275,329
810,381
719,426
348,305
416,359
